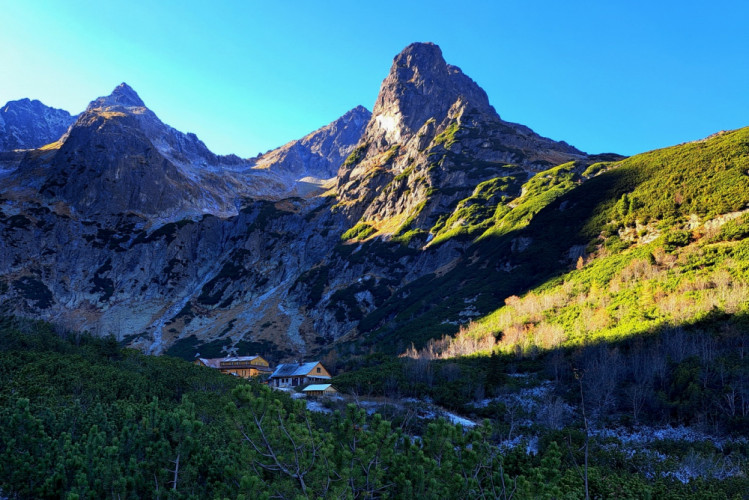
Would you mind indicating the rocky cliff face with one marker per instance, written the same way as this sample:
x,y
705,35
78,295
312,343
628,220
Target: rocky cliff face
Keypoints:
x,y
421,86
118,157
318,156
27,124
432,138
216,281
130,227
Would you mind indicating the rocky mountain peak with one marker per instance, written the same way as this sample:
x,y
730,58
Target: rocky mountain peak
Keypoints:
x,y
357,115
118,157
24,103
122,95
434,132
420,86
122,111
27,124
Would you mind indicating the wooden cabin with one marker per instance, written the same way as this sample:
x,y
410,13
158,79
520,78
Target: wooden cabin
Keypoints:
x,y
296,374
319,390
239,366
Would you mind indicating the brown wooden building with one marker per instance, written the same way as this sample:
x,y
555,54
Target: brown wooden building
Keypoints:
x,y
240,366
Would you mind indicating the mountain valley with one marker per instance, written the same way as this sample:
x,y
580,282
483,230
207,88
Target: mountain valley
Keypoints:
x,y
565,309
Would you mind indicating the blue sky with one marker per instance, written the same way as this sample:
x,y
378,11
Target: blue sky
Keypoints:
x,y
247,76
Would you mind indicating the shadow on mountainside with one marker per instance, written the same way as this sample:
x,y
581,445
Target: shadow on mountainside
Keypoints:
x,y
693,374
494,268
662,188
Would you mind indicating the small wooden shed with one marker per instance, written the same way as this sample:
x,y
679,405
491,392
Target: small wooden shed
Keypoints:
x,y
319,390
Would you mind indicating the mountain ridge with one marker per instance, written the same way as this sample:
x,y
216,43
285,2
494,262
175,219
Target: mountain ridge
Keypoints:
x,y
29,124
97,166
433,130
289,269
318,154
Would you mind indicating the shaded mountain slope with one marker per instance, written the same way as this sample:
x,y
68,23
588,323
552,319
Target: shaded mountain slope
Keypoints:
x,y
126,225
605,216
119,157
27,124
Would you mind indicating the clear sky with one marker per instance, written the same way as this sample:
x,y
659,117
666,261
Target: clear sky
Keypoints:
x,y
248,76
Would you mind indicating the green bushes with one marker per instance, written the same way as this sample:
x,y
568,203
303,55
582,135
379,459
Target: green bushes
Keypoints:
x,y
540,191
35,290
447,137
474,214
83,419
356,155
360,231
706,178
315,279
734,230
675,238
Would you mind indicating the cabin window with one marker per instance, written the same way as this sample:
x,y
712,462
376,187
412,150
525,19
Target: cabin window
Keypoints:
x,y
318,369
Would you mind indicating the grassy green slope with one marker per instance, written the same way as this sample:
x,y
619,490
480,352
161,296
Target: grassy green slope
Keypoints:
x,y
667,198
652,302
663,253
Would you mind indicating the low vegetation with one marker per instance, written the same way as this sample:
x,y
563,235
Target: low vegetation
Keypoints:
x,y
360,231
686,202
631,293
84,418
475,214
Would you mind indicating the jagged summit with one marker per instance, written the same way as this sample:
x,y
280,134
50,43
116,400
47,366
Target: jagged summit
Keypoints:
x,y
119,157
356,113
28,106
432,138
122,95
24,102
424,50
421,86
